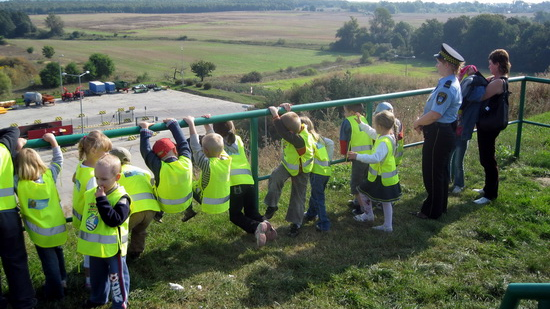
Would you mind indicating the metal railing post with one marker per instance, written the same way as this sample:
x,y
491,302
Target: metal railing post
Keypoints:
x,y
517,291
254,156
520,118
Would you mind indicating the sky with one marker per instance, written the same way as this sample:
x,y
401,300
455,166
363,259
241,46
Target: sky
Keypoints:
x,y
451,1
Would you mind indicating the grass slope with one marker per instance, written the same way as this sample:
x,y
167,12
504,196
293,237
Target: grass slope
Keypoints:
x,y
463,260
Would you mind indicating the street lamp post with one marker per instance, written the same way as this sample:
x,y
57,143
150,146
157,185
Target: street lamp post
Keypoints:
x,y
80,94
406,61
60,76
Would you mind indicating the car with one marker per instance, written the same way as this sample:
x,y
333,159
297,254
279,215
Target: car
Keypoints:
x,y
140,88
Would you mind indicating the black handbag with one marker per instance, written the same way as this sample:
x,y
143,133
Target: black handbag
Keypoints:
x,y
493,115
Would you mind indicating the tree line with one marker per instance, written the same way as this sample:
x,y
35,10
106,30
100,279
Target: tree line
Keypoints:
x,y
474,37
201,6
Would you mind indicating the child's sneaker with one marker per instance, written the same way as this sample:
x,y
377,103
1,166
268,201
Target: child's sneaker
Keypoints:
x,y
270,211
188,214
308,219
364,218
479,191
271,233
294,230
260,234
383,228
457,190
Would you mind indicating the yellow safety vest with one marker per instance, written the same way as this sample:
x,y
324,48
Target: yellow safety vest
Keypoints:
x,y
241,173
7,193
292,161
137,182
360,141
82,177
176,185
399,152
215,197
42,213
97,238
321,159
385,169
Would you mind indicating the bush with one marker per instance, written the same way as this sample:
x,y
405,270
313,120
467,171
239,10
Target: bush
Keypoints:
x,y
30,50
252,77
198,85
178,82
207,86
3,41
182,38
143,78
308,72
188,82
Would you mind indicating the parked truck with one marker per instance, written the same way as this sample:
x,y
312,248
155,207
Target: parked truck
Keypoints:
x,y
121,85
97,87
32,97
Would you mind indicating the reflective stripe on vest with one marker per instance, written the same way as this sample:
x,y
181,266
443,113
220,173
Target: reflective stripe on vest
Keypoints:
x,y
291,158
41,211
175,187
96,238
6,192
82,175
386,169
178,201
7,196
322,163
360,142
143,196
384,175
241,173
215,196
45,231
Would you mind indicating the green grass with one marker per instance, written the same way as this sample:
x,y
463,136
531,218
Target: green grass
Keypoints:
x,y
463,260
159,57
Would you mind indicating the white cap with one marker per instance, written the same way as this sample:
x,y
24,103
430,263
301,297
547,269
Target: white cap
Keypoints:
x,y
384,106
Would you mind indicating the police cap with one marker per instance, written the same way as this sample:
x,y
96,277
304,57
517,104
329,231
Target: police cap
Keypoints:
x,y
450,55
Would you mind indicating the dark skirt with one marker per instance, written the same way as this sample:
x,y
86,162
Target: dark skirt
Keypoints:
x,y
377,192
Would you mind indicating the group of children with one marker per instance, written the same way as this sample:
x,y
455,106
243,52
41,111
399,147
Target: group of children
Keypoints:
x,y
112,198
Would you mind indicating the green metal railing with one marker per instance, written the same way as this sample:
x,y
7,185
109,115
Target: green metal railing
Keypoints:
x,y
515,291
518,291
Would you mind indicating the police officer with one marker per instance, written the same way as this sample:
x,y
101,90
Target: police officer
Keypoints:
x,y
438,124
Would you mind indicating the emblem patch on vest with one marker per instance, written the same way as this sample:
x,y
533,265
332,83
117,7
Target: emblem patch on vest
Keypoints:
x,y
38,204
441,98
91,222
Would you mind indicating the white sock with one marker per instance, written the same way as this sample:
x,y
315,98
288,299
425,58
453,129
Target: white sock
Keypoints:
x,y
388,214
366,204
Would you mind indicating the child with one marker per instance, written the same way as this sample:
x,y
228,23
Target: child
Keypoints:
x,y
171,166
138,183
42,213
243,195
14,255
212,190
352,138
90,148
398,131
319,176
104,235
297,163
382,183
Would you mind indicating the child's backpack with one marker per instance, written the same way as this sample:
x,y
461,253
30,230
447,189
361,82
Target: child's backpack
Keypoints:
x,y
473,89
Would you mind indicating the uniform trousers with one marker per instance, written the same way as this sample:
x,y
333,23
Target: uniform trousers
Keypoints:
x,y
439,142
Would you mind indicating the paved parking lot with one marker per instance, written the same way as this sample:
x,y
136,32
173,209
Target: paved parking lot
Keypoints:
x,y
161,104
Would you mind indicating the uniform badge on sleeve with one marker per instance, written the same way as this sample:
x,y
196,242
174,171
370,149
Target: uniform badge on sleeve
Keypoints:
x,y
441,98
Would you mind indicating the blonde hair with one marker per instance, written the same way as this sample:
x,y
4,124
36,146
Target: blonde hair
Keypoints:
x,y
29,164
94,140
454,67
292,122
310,127
213,142
385,119
111,162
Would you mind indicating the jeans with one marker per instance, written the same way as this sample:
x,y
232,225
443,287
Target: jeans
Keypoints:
x,y
457,162
14,261
317,206
110,274
53,265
